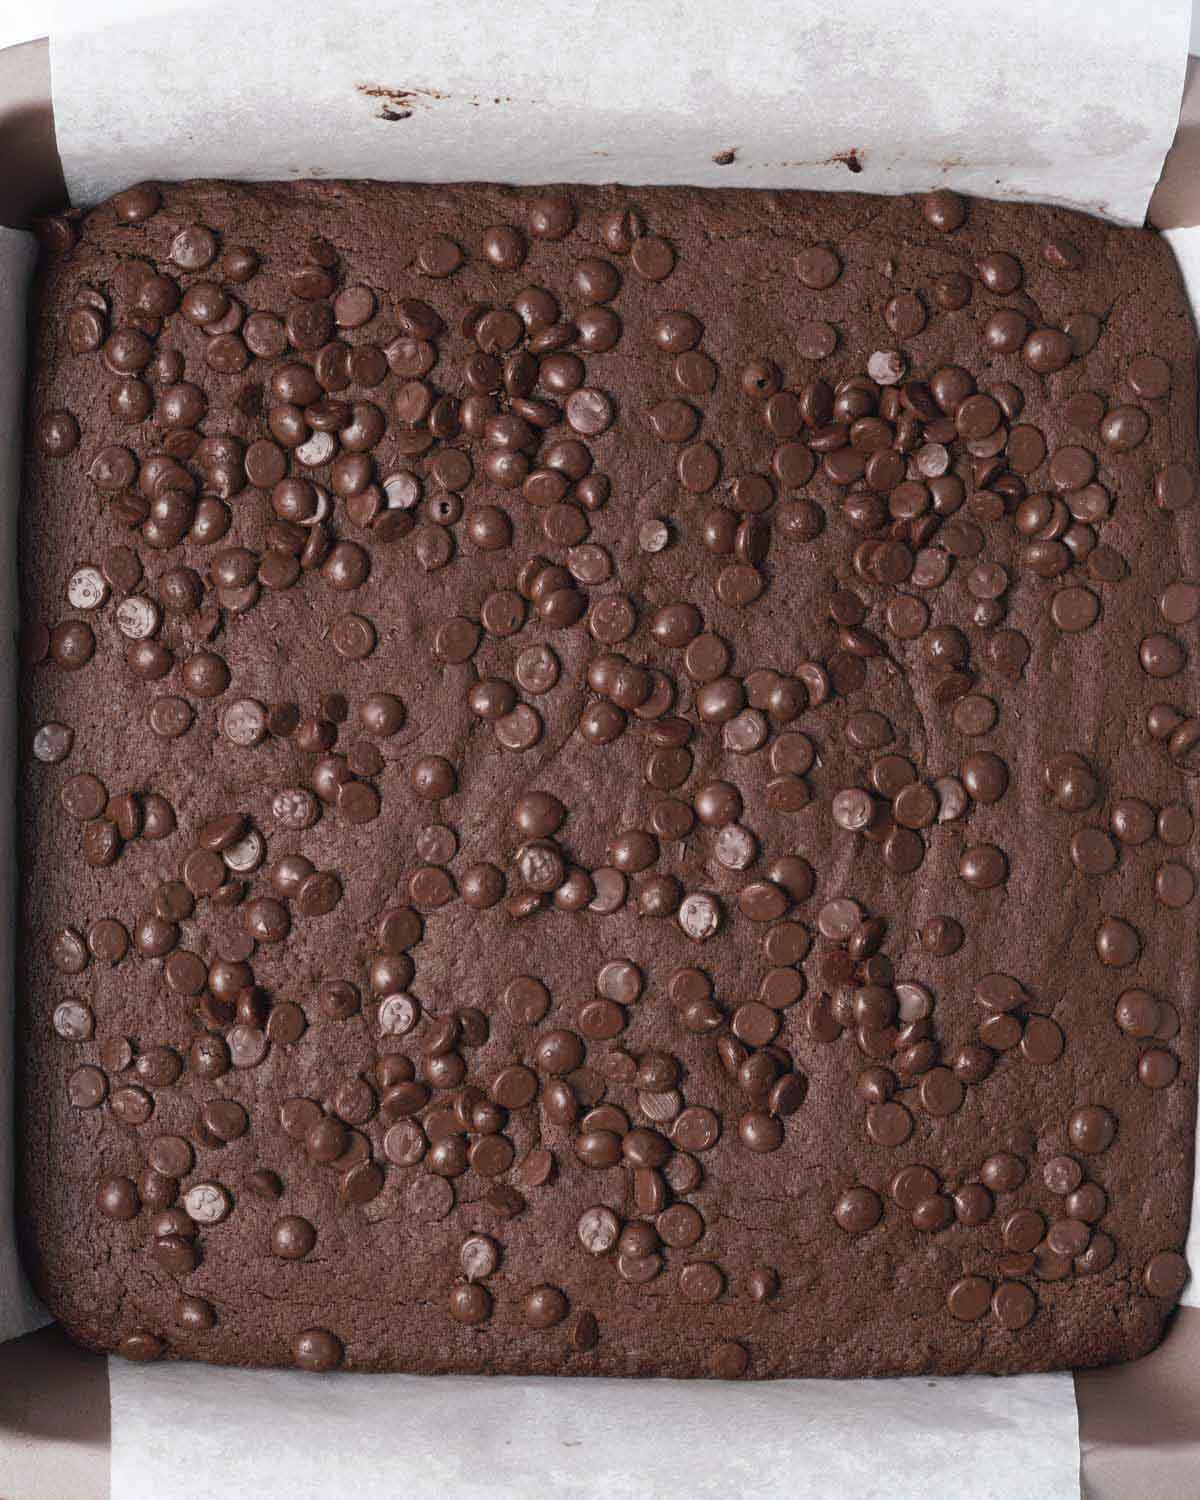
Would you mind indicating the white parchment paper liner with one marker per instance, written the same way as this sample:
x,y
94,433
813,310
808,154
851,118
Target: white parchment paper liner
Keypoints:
x,y
177,1429
1074,103
1186,245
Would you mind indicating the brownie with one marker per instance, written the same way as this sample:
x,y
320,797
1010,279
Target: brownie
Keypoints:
x,y
608,781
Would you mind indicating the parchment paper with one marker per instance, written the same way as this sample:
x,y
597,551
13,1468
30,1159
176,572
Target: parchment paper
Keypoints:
x,y
1186,245
177,1429
1074,102
19,1310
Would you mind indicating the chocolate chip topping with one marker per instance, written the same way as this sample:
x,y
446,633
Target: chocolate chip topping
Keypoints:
x,y
618,791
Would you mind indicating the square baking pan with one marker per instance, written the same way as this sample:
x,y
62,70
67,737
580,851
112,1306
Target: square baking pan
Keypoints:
x,y
1139,1424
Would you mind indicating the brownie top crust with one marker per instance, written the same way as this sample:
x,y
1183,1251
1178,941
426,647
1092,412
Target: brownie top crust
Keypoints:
x,y
608,781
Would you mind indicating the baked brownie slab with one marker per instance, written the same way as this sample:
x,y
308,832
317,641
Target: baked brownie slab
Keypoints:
x,y
608,781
